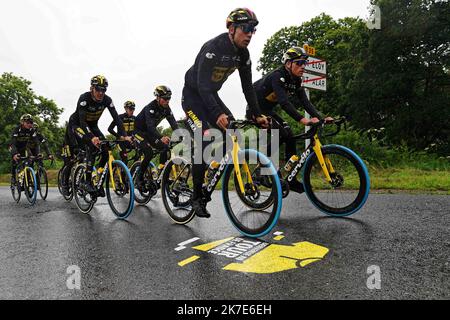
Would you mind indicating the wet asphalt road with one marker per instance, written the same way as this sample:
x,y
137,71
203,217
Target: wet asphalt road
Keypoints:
x,y
407,237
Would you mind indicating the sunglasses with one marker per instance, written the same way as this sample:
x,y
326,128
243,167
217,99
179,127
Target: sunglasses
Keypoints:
x,y
246,28
301,62
100,89
166,98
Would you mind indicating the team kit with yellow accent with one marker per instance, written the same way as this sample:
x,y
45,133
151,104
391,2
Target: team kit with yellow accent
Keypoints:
x,y
249,189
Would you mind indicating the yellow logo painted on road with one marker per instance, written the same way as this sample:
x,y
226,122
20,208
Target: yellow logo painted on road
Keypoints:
x,y
254,256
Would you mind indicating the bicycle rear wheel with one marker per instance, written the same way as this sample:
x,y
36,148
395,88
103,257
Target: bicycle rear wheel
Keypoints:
x,y
30,185
251,221
350,185
177,190
142,196
120,195
64,174
42,183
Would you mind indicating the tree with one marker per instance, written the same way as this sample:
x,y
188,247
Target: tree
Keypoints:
x,y
17,98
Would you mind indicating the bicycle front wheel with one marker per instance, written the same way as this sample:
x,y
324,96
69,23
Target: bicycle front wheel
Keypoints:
x,y
251,219
177,190
30,185
16,190
84,200
142,195
120,194
349,188
43,183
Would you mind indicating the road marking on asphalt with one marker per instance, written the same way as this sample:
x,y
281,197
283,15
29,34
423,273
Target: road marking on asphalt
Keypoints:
x,y
188,260
278,235
211,245
255,256
277,258
182,245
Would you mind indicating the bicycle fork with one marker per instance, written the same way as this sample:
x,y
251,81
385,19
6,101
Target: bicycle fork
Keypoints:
x,y
325,163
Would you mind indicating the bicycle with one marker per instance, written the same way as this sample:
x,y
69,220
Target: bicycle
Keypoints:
x,y
331,173
41,175
235,171
25,180
116,176
152,178
65,174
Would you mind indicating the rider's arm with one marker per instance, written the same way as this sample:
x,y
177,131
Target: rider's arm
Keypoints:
x,y
81,107
42,141
307,104
171,119
245,73
206,64
117,120
13,143
111,129
283,99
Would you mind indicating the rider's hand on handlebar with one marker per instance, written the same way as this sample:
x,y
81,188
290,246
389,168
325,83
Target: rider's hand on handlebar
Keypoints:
x,y
308,122
127,138
165,140
263,121
50,156
329,120
16,157
95,141
222,121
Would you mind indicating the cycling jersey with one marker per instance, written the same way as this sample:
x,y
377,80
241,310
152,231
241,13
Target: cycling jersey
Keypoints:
x,y
216,61
277,88
21,137
88,113
128,124
35,143
149,118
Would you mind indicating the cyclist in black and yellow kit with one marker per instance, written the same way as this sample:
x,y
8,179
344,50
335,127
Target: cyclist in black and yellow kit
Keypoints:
x,y
147,133
128,120
83,123
216,61
278,88
24,137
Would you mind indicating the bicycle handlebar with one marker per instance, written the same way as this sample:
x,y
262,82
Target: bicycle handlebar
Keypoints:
x,y
319,125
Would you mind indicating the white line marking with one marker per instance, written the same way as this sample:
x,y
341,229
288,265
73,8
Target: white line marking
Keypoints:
x,y
182,245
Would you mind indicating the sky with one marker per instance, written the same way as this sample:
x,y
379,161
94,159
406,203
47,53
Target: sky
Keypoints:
x,y
60,44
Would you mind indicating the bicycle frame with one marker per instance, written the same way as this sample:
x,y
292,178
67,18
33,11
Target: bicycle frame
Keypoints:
x,y
223,163
325,164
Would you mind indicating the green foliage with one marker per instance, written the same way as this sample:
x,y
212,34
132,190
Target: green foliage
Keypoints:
x,y
395,78
17,98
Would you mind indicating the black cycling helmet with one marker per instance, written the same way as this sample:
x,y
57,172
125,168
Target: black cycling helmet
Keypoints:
x,y
100,82
241,16
163,92
26,118
294,53
129,104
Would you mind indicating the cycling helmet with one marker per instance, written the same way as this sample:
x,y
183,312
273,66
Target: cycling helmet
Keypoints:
x,y
163,92
99,81
26,117
240,16
129,104
294,53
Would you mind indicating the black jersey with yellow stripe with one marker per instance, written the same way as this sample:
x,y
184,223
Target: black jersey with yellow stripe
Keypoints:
x,y
89,111
129,124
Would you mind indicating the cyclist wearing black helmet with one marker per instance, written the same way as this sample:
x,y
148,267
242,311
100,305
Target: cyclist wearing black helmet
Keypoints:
x,y
147,133
216,61
22,135
278,88
83,124
128,119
